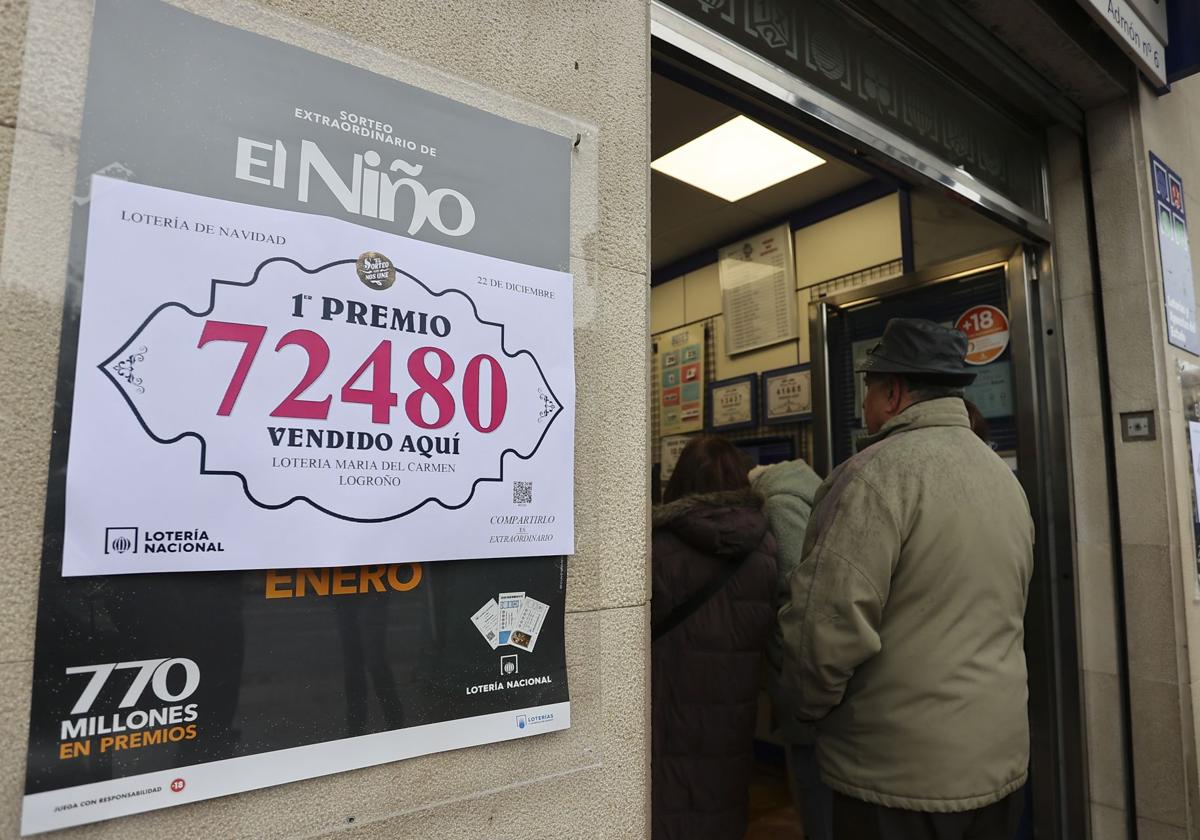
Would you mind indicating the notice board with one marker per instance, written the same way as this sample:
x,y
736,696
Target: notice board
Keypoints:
x,y
758,291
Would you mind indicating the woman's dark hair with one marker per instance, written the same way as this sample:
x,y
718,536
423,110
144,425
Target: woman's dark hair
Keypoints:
x,y
706,465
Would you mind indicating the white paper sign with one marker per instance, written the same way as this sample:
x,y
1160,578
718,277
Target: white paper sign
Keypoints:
x,y
758,291
256,384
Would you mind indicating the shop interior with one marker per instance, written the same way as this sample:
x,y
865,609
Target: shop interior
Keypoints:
x,y
741,259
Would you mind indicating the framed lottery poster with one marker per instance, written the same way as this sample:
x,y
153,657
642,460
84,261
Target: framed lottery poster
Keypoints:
x,y
787,394
733,403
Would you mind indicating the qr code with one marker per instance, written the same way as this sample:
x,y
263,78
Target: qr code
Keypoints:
x,y
522,492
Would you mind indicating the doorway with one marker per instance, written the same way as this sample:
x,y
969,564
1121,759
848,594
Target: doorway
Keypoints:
x,y
1011,394
866,241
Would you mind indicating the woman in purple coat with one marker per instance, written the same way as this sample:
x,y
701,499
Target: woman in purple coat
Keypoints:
x,y
713,588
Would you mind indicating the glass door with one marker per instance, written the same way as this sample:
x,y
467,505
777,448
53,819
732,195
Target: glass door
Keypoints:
x,y
1000,300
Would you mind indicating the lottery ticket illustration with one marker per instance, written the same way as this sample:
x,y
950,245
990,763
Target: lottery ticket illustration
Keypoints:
x,y
510,608
529,624
487,622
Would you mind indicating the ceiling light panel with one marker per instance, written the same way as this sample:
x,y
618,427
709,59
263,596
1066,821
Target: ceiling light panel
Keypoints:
x,y
736,159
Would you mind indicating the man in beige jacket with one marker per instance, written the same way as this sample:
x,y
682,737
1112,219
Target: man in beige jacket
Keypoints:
x,y
905,630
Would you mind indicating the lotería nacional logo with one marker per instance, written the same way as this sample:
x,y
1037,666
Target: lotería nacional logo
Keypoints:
x,y
120,540
134,541
508,665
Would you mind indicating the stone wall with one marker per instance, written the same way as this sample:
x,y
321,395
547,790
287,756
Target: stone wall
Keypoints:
x,y
586,61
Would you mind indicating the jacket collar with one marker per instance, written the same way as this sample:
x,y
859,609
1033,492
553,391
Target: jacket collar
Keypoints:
x,y
729,524
947,411
665,514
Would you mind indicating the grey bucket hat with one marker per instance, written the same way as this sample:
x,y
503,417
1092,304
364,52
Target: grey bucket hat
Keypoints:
x,y
917,347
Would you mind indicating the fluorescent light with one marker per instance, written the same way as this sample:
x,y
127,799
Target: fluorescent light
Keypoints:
x,y
736,159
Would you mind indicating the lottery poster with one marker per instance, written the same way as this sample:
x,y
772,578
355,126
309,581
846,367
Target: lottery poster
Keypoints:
x,y
314,421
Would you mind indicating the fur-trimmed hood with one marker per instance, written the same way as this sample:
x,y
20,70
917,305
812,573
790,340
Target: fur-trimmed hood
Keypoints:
x,y
705,669
728,523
